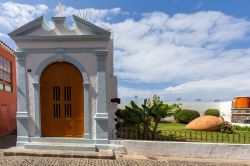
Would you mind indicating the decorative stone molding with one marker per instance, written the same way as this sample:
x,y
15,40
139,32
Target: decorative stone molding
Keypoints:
x,y
22,115
20,56
86,84
22,97
87,112
97,50
75,34
101,116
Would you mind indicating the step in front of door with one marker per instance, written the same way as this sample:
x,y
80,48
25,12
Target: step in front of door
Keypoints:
x,y
20,151
60,146
62,140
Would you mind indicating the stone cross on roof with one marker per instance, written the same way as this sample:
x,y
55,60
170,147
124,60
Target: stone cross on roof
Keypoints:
x,y
60,10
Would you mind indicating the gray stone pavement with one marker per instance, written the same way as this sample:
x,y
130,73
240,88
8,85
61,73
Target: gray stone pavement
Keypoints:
x,y
20,151
51,161
122,160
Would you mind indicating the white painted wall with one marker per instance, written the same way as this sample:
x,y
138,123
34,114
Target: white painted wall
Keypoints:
x,y
186,149
224,107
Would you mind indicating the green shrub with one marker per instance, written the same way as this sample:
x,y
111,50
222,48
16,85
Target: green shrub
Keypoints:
x,y
186,116
212,112
241,128
226,127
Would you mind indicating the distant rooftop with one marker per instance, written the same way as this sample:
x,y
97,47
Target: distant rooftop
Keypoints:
x,y
6,47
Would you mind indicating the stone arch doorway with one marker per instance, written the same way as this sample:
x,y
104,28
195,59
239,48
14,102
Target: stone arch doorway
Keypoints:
x,y
62,103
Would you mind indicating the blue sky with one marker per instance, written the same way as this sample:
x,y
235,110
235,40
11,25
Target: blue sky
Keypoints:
x,y
238,8
185,49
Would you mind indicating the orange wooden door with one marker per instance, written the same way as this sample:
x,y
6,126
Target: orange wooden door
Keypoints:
x,y
62,101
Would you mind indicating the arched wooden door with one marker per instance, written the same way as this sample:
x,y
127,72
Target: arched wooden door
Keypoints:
x,y
61,92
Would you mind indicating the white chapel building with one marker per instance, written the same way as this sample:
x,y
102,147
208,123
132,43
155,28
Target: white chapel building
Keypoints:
x,y
65,83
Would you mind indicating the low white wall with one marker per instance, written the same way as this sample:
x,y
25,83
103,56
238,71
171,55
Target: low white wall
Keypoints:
x,y
184,149
241,124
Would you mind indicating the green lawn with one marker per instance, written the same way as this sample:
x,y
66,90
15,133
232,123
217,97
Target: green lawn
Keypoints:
x,y
180,126
178,132
171,126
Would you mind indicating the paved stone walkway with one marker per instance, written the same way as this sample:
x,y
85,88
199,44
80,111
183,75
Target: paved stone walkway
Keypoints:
x,y
55,161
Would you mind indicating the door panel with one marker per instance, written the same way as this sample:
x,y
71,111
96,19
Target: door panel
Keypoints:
x,y
77,127
62,101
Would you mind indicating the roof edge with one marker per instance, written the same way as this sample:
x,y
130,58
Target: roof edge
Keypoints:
x,y
80,20
6,47
26,26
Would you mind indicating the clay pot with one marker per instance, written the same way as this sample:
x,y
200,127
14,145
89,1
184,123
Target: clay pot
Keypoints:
x,y
208,123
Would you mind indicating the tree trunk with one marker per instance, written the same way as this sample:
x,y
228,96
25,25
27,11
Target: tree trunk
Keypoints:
x,y
138,131
157,121
146,129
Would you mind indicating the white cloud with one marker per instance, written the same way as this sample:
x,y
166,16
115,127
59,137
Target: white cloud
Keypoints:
x,y
92,14
3,35
197,53
192,51
159,48
207,89
13,15
130,93
204,89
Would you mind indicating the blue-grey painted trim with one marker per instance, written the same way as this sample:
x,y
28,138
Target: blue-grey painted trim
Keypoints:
x,y
37,119
101,115
26,27
59,19
20,56
79,20
57,58
38,72
61,38
101,88
101,54
20,34
96,50
101,118
87,114
22,115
